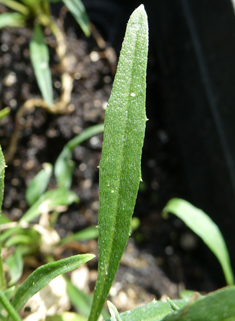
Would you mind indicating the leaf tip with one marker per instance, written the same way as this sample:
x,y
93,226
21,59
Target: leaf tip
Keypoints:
x,y
141,8
90,256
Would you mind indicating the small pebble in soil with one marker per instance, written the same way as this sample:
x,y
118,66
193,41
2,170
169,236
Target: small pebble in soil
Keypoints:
x,y
188,241
10,79
94,55
169,250
4,47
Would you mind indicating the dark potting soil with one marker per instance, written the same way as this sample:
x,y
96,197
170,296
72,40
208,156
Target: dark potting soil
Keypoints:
x,y
163,256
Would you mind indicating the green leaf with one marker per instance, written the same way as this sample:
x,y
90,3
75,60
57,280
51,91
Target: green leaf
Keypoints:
x,y
64,165
2,174
33,6
8,294
4,219
156,310
78,10
64,168
18,239
187,294
9,232
114,312
120,173
87,133
39,55
66,316
16,6
48,201
81,301
39,184
8,307
201,224
43,275
216,306
88,233
13,19
5,111
15,265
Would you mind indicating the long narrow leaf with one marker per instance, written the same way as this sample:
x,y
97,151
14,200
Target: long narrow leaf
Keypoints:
x,y
201,224
81,301
64,164
49,201
15,5
11,19
87,133
8,307
156,310
43,275
120,172
39,183
88,233
15,265
8,294
217,306
78,10
39,55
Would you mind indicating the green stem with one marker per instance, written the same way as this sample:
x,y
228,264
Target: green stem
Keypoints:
x,y
7,305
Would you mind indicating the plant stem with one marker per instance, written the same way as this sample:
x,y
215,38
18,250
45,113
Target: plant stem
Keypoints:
x,y
7,305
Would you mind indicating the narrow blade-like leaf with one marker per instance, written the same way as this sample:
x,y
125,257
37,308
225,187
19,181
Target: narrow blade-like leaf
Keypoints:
x,y
8,307
64,164
38,185
39,55
11,19
8,294
78,10
81,301
49,201
86,134
120,173
88,233
201,224
43,275
15,266
216,306
156,310
15,5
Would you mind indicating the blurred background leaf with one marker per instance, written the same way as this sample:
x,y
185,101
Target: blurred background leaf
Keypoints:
x,y
39,184
39,55
201,224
